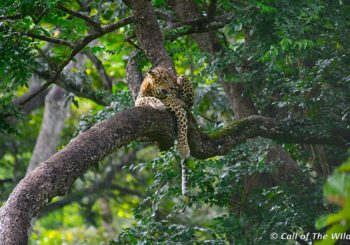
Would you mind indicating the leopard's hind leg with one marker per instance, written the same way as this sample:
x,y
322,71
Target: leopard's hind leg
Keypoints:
x,y
176,105
185,90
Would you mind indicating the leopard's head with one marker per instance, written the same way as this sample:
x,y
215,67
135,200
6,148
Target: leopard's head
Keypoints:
x,y
162,81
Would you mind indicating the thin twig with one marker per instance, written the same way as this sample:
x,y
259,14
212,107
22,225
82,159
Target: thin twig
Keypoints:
x,y
34,94
50,39
193,22
7,180
80,45
86,18
10,17
107,81
50,62
199,26
133,44
122,22
161,14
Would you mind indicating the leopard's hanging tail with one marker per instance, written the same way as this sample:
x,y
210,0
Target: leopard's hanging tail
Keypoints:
x,y
184,176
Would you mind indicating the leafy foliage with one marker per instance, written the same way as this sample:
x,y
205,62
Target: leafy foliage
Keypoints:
x,y
218,190
291,58
336,190
120,101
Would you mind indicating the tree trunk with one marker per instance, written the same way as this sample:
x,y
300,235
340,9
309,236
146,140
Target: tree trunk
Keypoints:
x,y
57,107
36,102
56,110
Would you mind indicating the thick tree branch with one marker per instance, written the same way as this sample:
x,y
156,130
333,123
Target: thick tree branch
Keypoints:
x,y
56,175
150,38
106,183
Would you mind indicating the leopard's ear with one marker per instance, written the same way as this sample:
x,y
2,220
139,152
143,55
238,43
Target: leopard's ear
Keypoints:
x,y
170,71
152,73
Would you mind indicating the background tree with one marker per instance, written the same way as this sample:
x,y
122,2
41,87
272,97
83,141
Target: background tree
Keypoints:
x,y
270,121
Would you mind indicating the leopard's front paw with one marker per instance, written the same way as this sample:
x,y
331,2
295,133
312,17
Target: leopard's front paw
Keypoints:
x,y
150,102
158,106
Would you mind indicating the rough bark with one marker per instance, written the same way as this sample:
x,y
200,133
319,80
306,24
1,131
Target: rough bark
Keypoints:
x,y
94,191
149,35
133,75
241,104
187,10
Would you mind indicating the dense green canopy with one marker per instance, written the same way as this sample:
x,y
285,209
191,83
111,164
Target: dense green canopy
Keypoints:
x,y
270,123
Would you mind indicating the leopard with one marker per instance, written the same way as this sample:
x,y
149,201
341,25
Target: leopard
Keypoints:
x,y
161,90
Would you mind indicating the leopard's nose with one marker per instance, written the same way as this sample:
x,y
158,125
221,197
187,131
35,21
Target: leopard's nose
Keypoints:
x,y
163,91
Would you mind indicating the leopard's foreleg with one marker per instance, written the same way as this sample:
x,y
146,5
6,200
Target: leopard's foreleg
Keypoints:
x,y
150,102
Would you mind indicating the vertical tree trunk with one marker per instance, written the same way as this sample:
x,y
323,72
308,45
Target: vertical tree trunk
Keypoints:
x,y
149,35
107,216
133,75
56,110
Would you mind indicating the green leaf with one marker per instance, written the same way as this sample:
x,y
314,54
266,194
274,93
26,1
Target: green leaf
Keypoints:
x,y
337,188
97,49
